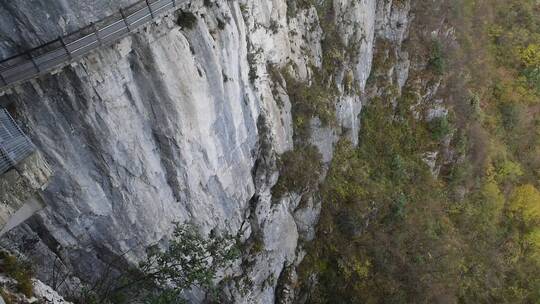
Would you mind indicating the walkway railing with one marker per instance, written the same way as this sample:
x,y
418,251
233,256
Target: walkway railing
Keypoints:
x,y
14,145
46,57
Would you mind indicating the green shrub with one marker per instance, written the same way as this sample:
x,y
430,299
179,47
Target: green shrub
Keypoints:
x,y
243,9
399,206
437,62
307,102
294,5
439,127
533,77
221,24
8,298
190,260
252,61
186,20
167,296
511,114
300,171
20,271
274,26
258,244
349,223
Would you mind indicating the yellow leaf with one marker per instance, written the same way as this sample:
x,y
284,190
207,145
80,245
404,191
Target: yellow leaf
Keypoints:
x,y
525,203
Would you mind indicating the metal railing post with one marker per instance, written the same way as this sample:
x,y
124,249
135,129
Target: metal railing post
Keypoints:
x,y
150,9
125,20
96,32
33,61
65,47
3,150
10,162
20,130
3,79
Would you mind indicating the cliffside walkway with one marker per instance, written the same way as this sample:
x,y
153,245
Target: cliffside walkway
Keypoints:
x,y
54,54
14,145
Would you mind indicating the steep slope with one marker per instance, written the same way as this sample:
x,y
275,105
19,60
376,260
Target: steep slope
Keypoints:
x,y
185,123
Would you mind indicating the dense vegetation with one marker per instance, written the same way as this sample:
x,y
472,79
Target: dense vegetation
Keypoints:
x,y
19,270
190,261
391,231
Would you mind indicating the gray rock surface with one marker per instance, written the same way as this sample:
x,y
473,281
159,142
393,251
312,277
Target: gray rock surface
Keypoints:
x,y
20,190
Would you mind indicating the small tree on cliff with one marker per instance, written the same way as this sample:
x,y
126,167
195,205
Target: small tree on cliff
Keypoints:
x,y
190,260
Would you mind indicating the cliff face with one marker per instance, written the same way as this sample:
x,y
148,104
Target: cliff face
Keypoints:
x,y
183,124
27,24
